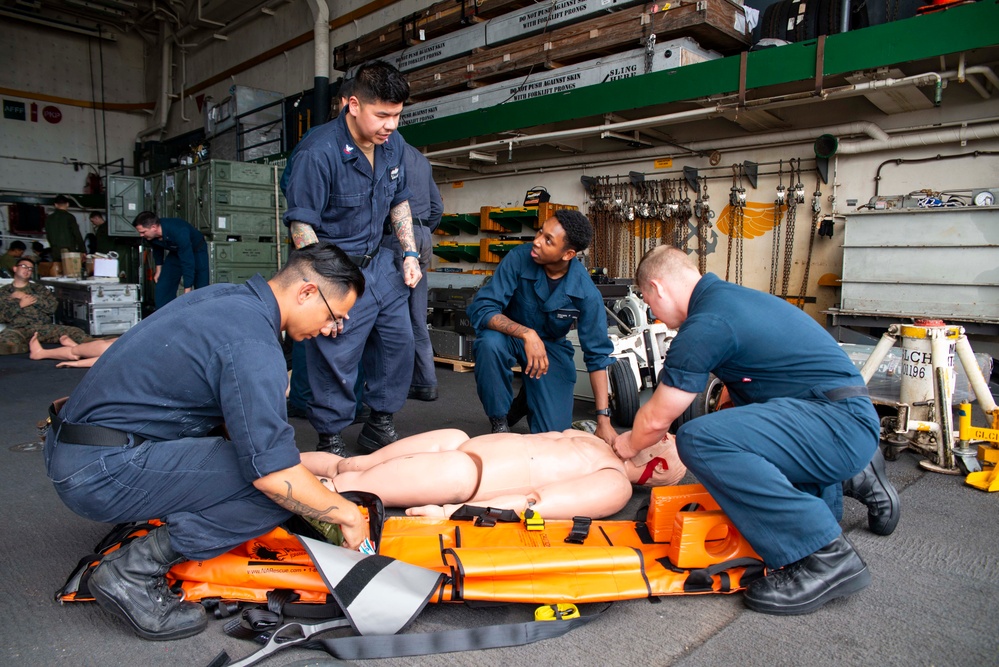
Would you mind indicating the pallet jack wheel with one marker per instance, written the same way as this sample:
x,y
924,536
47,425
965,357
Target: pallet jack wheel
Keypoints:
x,y
623,392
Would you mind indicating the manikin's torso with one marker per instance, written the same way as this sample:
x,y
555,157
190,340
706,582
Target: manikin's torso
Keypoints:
x,y
523,465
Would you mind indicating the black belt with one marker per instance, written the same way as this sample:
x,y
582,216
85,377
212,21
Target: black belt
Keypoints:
x,y
89,434
840,393
363,261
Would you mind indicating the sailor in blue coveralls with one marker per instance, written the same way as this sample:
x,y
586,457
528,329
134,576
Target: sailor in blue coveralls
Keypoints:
x,y
521,317
129,445
802,434
187,259
345,181
427,207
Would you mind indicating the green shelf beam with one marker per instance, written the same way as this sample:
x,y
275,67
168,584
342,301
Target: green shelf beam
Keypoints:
x,y
958,29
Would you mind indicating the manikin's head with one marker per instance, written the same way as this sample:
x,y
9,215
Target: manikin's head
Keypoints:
x,y
658,465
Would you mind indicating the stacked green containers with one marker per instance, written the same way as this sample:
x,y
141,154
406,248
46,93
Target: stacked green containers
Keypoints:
x,y
239,211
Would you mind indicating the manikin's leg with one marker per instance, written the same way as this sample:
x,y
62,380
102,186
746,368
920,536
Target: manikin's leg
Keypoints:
x,y
69,349
63,353
324,464
436,478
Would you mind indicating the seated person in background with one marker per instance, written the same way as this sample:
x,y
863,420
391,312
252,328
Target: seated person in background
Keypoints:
x,y
10,258
70,353
558,475
41,252
27,308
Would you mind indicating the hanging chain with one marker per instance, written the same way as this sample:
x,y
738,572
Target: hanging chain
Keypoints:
x,y
816,212
737,199
702,211
775,246
792,209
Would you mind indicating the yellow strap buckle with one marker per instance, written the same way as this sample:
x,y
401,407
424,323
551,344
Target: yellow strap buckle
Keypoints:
x,y
556,612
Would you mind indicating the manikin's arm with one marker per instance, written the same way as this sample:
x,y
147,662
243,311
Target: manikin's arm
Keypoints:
x,y
596,495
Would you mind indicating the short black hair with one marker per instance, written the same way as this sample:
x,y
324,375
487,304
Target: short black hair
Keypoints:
x,y
17,245
379,81
27,259
329,263
60,199
94,214
145,219
578,230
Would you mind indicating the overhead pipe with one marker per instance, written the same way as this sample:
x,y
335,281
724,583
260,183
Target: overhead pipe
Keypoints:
x,y
751,140
971,133
321,80
162,111
795,99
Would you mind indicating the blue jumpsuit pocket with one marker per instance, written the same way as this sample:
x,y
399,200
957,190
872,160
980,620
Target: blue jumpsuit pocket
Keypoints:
x,y
347,201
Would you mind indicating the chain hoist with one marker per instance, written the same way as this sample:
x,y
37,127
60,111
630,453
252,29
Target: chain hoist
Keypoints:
x,y
775,246
737,218
816,212
792,209
702,211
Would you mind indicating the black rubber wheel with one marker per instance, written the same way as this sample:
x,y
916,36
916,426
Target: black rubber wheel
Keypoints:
x,y
705,402
623,387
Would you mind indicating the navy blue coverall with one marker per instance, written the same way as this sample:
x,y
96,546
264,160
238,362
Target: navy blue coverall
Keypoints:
x,y
519,290
187,259
427,207
776,462
332,188
222,348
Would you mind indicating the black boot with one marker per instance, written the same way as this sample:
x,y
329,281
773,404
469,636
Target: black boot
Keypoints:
x,y
871,487
378,432
834,571
129,583
518,409
499,425
361,416
332,443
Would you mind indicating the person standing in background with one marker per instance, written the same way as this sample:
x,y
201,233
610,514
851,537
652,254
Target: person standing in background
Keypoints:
x,y
427,208
187,259
62,230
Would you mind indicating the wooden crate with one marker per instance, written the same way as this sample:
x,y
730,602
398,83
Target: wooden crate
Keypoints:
x,y
438,19
711,22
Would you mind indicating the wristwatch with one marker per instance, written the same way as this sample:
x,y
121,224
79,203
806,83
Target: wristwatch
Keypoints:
x,y
605,412
411,253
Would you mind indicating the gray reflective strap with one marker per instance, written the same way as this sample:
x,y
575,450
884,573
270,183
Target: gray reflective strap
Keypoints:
x,y
379,595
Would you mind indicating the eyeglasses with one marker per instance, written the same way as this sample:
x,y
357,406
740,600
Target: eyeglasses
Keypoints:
x,y
24,266
333,318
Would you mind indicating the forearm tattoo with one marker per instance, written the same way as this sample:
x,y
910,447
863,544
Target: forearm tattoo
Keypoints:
x,y
303,235
402,225
290,503
503,324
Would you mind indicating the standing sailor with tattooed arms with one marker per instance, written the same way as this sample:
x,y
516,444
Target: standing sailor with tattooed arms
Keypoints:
x,y
346,180
210,452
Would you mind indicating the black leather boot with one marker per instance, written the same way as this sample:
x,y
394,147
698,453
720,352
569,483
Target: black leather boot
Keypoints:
x,y
834,571
129,583
332,443
378,431
518,408
871,487
499,425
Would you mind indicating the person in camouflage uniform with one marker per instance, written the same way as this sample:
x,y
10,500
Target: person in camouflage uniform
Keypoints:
x,y
26,308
